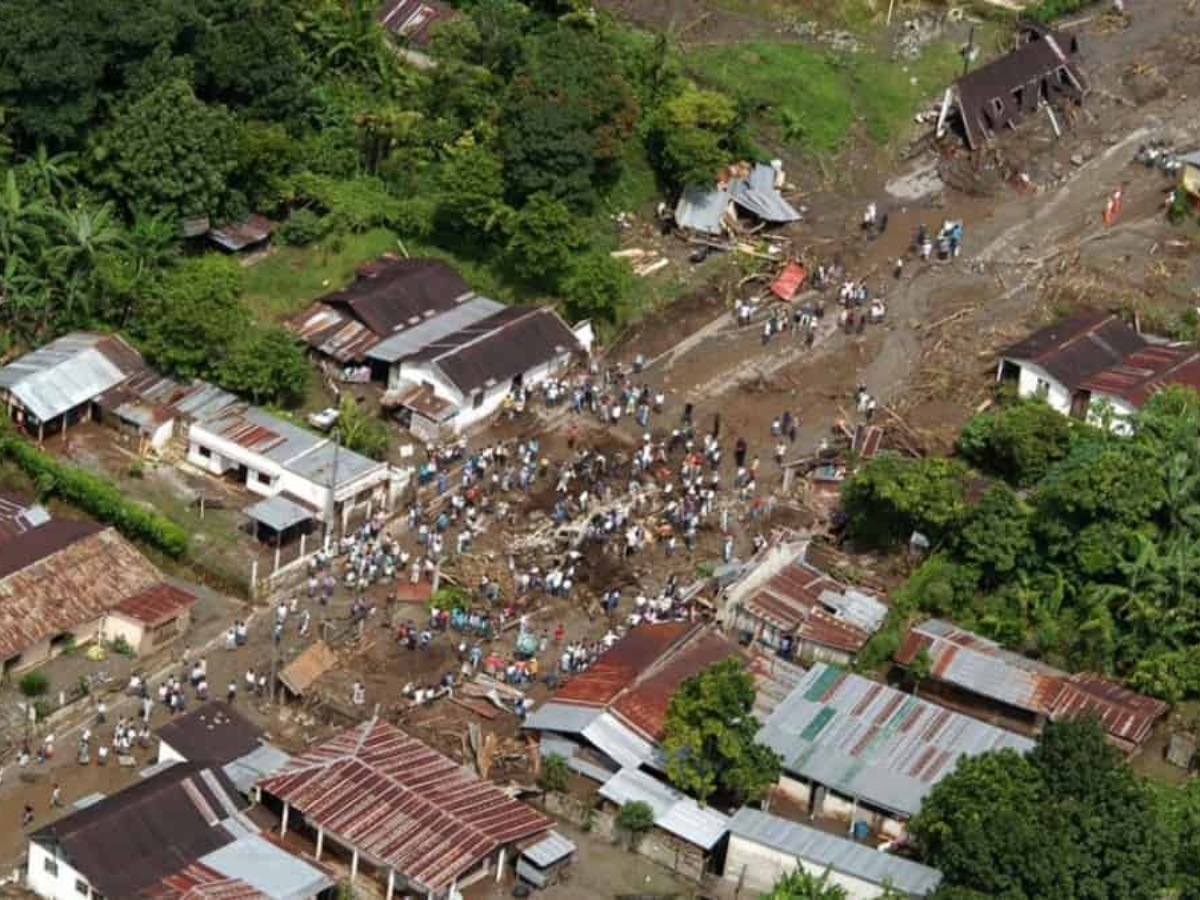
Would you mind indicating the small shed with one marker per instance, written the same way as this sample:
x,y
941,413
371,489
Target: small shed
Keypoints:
x,y
1182,750
250,234
542,864
302,673
152,619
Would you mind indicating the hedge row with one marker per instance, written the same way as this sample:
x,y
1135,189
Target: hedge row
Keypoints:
x,y
96,496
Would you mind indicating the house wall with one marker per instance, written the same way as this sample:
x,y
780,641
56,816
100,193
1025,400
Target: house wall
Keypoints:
x,y
673,853
1031,381
755,868
143,639
832,805
60,885
167,753
161,436
1121,411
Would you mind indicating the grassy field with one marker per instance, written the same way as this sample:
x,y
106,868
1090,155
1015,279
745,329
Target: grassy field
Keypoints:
x,y
814,99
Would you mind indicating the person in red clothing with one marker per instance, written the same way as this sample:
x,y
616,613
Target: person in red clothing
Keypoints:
x,y
559,633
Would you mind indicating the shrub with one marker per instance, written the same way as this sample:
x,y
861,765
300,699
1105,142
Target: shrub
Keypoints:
x,y
43,707
303,227
636,817
555,774
34,684
1048,10
120,646
96,496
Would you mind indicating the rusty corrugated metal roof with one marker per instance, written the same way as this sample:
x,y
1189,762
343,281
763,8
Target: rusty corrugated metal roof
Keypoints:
x,y
982,666
156,604
1142,373
74,584
1127,717
1076,348
621,665
644,705
402,804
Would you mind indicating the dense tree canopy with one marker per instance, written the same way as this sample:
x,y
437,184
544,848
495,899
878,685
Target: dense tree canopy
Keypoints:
x,y
1070,820
709,743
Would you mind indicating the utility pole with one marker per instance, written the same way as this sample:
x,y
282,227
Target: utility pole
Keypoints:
x,y
969,51
331,503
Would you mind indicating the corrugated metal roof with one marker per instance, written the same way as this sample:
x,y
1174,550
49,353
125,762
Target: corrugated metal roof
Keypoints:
x,y
235,236
619,742
566,718
983,667
72,586
756,193
827,851
549,850
774,679
334,332
869,741
304,454
156,604
1077,348
1146,371
702,210
795,597
674,812
212,733
965,659
403,804
69,371
618,667
279,512
262,761
414,19
272,870
413,340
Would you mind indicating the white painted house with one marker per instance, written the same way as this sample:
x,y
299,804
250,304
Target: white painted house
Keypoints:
x,y
301,475
457,369
1094,366
763,848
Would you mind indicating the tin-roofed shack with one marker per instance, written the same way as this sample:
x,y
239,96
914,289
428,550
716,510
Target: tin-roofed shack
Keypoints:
x,y
754,191
55,386
980,678
1044,70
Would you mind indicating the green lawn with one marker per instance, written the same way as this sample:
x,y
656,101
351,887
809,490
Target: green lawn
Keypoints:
x,y
824,96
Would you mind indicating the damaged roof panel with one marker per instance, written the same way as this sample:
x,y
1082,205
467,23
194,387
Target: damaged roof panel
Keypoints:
x,y
1075,349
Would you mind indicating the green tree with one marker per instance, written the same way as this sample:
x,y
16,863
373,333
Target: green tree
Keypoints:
x,y
636,817
63,59
710,733
555,775
470,190
169,152
800,884
889,497
597,286
189,332
995,537
361,432
1019,441
268,365
694,136
567,114
541,238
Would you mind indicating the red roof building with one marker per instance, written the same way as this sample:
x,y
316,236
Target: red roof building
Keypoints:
x,y
392,801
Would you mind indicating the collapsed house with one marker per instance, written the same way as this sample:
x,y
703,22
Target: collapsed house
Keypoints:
x,y
1043,71
785,603
752,191
413,20
979,677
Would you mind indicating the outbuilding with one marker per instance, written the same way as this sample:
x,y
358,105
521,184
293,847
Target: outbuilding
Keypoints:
x,y
763,848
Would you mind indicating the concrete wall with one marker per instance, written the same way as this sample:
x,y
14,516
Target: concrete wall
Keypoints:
x,y
142,639
1120,411
1035,380
60,885
832,805
755,868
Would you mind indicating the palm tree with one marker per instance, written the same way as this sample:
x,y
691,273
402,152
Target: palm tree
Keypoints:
x,y
86,231
52,173
21,231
